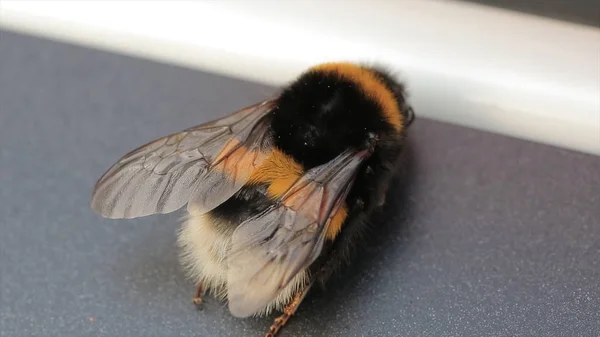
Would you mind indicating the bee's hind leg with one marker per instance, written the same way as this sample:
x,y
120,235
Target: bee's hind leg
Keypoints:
x,y
197,300
288,311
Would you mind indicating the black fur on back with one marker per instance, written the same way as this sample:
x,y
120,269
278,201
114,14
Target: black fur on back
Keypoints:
x,y
320,115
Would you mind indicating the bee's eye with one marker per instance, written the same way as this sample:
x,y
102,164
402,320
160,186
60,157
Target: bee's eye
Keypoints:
x,y
409,115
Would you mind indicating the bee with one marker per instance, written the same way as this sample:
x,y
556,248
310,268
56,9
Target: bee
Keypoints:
x,y
276,192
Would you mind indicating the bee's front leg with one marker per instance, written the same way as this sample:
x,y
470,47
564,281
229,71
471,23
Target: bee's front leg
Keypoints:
x,y
197,300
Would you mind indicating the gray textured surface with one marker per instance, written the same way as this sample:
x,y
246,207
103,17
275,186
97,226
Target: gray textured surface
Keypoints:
x,y
493,236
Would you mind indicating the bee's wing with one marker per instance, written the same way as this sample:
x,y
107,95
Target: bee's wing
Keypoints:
x,y
269,249
202,166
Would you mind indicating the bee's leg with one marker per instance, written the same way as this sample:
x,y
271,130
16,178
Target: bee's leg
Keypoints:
x,y
288,311
198,298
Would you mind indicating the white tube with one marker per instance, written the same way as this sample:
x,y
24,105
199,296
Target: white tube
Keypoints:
x,y
502,71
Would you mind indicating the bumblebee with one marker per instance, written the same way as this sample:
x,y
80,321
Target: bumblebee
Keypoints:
x,y
277,192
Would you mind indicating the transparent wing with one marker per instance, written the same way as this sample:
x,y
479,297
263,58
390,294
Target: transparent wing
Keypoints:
x,y
203,165
270,249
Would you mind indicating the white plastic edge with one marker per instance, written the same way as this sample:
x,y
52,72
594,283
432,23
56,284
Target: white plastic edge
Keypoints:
x,y
496,70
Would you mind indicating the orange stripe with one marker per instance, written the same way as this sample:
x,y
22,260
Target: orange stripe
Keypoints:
x,y
335,226
371,86
240,163
281,171
227,149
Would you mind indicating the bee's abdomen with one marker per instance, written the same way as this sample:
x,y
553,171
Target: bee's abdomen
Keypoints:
x,y
247,202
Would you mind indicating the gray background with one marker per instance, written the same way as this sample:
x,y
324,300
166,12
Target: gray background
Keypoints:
x,y
484,236
585,12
